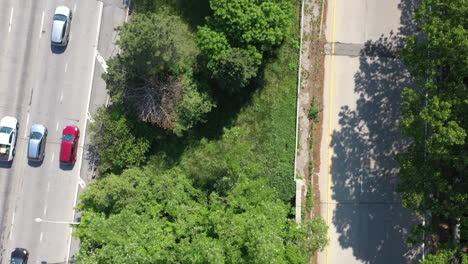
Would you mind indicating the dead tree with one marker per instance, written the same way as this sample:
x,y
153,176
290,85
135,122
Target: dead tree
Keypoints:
x,y
155,101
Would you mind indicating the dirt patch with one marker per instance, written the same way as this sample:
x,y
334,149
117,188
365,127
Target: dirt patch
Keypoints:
x,y
311,96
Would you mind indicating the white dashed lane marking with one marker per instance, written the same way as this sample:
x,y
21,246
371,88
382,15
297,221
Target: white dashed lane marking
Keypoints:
x,y
12,225
11,19
42,24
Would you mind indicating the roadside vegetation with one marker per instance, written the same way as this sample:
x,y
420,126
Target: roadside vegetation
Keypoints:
x,y
196,150
433,174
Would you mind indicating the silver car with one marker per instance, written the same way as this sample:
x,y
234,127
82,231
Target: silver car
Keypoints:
x,y
37,142
61,26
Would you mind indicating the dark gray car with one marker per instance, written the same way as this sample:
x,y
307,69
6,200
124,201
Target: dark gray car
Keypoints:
x,y
37,142
19,256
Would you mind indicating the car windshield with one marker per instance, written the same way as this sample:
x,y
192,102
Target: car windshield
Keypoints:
x,y
68,137
5,130
36,135
16,261
60,17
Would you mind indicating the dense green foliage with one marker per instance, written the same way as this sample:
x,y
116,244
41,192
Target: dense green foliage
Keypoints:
x,y
445,256
268,119
192,107
234,159
154,216
234,68
262,24
219,192
193,12
238,34
156,45
152,75
434,167
120,139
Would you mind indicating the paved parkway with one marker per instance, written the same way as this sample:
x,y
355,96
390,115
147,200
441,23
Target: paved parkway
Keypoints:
x,y
363,83
42,84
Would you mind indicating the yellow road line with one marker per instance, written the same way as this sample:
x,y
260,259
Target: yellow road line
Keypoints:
x,y
330,106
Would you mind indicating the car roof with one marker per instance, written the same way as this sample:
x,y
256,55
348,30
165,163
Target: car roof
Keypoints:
x,y
33,148
66,151
57,28
62,10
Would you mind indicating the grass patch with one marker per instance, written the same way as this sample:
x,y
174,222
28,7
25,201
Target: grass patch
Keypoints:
x,y
271,117
192,11
314,110
310,199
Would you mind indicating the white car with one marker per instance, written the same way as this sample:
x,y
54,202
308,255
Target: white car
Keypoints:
x,y
8,133
61,26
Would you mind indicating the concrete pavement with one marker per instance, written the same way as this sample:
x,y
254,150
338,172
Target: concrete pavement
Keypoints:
x,y
42,84
358,173
113,14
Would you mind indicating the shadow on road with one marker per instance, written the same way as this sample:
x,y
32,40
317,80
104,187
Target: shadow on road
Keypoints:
x,y
35,164
57,49
66,166
92,158
369,217
6,165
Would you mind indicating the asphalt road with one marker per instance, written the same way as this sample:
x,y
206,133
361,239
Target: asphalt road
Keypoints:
x,y
42,84
363,83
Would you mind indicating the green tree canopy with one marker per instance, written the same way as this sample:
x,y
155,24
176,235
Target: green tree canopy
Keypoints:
x,y
234,68
238,34
121,141
156,45
153,216
152,75
233,159
192,107
445,256
262,24
433,168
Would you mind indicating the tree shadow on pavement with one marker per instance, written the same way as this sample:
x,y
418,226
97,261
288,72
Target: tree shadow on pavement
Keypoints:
x,y
368,217
92,158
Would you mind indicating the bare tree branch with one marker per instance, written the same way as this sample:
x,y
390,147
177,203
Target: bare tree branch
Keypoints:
x,y
155,101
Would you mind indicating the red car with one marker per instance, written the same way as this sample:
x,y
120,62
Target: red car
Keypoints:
x,y
69,147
